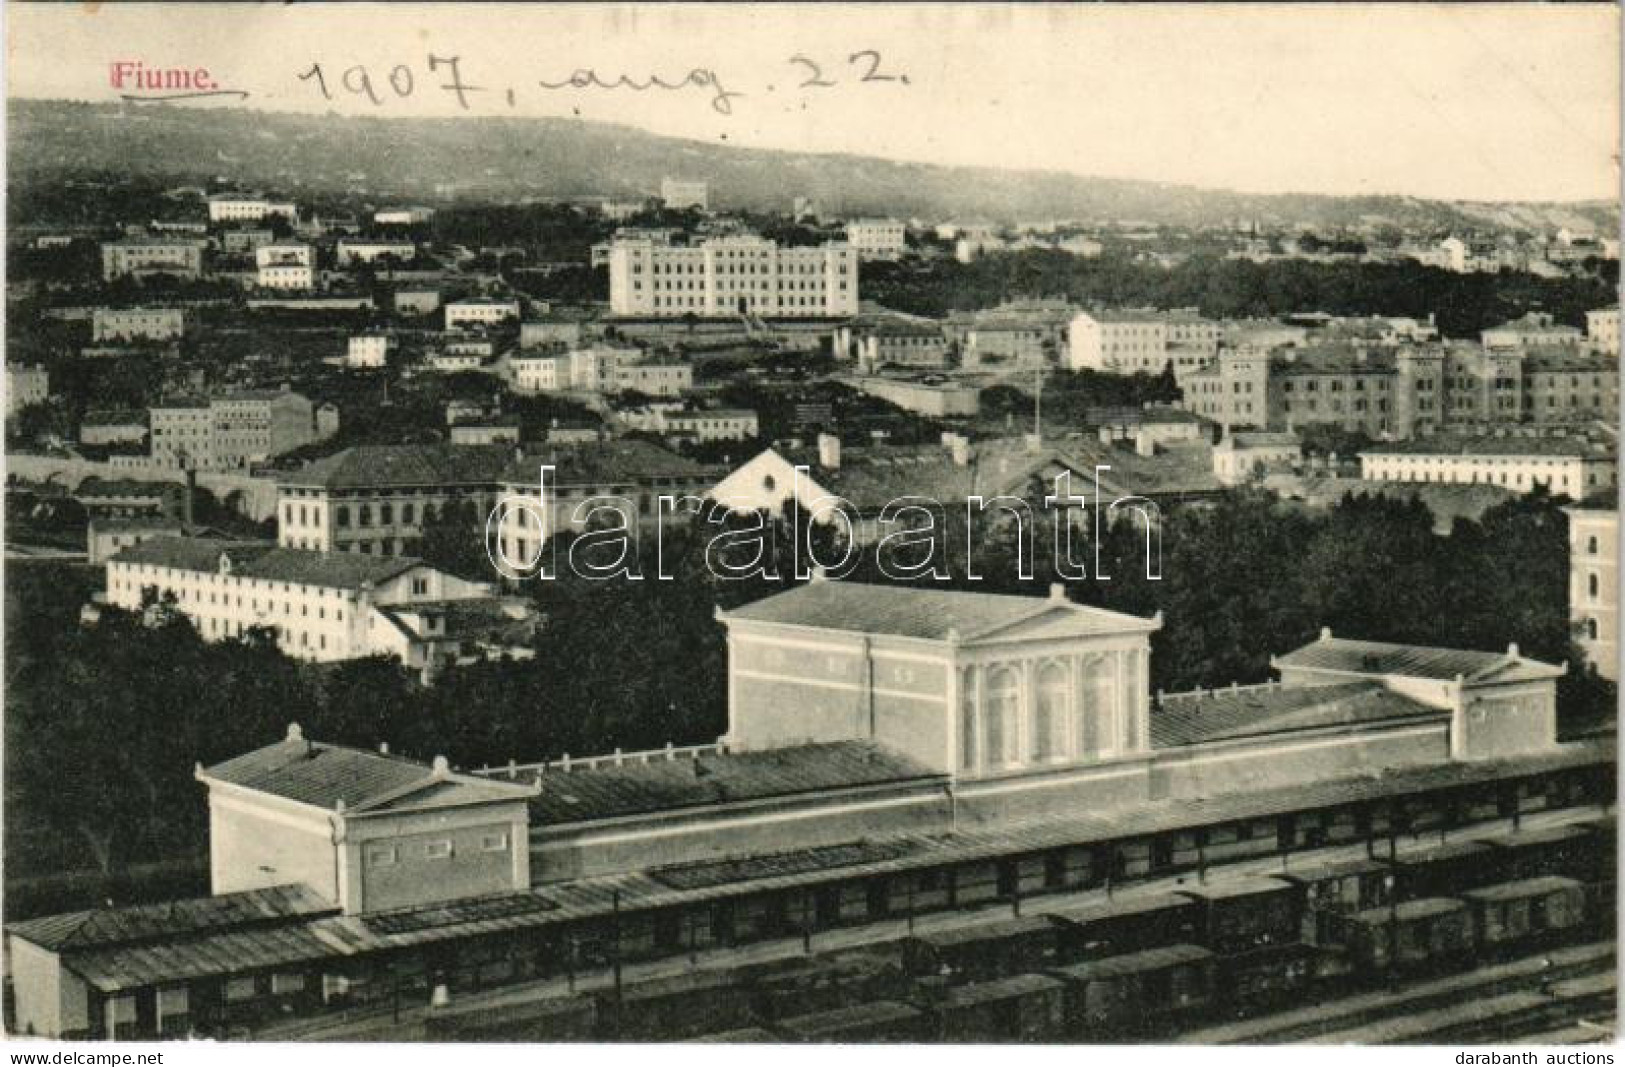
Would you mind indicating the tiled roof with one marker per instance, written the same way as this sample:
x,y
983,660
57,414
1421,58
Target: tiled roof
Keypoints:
x,y
126,487
1412,661
603,463
637,788
258,559
114,417
324,776
1222,714
1333,359
135,523
1451,445
913,611
871,478
103,927
1132,416
379,465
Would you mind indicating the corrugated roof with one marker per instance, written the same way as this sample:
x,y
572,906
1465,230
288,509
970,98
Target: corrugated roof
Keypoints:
x,y
256,559
637,788
1151,959
1226,714
1484,445
103,927
1523,888
1412,661
604,463
912,611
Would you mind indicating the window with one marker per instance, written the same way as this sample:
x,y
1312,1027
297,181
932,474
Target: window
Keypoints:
x,y
494,843
381,856
1003,706
1591,546
1049,725
437,850
420,586
1591,585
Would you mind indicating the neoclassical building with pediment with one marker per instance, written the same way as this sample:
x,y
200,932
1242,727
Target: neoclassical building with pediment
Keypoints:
x,y
969,684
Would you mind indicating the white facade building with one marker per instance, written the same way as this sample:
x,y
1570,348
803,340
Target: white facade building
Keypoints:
x,y
1562,465
352,251
231,208
25,386
1602,329
729,276
128,324
324,606
877,238
478,314
367,351
288,276
1140,342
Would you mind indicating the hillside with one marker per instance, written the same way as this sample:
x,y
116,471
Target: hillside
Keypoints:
x,y
545,157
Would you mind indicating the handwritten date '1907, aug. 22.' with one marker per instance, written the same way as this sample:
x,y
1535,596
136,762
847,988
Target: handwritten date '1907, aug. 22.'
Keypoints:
x,y
400,82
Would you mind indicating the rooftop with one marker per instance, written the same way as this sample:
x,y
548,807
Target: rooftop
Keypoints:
x,y
923,613
1453,445
1255,711
665,785
602,463
260,559
105,927
366,466
348,779
1341,655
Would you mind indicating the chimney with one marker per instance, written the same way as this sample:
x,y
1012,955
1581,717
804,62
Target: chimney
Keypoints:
x,y
186,500
1057,592
440,767
959,448
383,748
829,451
1144,445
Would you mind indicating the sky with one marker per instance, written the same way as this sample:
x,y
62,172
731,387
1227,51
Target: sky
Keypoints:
x,y
1471,101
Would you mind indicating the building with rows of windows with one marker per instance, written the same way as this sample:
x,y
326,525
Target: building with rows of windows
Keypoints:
x,y
1570,466
323,606
234,430
1594,584
137,323
729,276
140,257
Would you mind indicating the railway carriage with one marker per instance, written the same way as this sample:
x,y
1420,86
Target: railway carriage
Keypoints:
x,y
1131,993
1512,913
1022,1007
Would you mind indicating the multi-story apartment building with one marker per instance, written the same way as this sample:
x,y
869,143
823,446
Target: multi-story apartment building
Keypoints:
x,y
139,257
1141,342
1602,330
701,427
368,351
376,499
351,251
231,431
131,324
235,207
1402,390
287,276
653,378
239,242
879,239
629,476
480,314
1594,584
1534,330
727,276
25,386
284,254
1570,466
1018,335
323,606
678,194
599,369
540,372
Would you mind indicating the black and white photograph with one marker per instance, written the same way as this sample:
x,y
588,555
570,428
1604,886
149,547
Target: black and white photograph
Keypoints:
x,y
776,524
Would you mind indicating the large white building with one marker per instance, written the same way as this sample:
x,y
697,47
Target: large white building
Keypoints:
x,y
324,606
599,369
288,276
230,207
1602,329
1594,584
479,314
1141,342
1564,465
1534,330
367,351
142,256
877,238
728,276
129,324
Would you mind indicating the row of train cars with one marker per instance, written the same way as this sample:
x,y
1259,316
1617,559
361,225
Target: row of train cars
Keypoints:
x,y
1124,969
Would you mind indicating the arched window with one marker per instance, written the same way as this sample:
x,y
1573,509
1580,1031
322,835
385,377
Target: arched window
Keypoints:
x,y
1591,585
1098,710
1591,629
1002,707
1591,545
1049,719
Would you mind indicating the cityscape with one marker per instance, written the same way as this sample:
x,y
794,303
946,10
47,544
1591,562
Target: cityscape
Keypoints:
x,y
533,579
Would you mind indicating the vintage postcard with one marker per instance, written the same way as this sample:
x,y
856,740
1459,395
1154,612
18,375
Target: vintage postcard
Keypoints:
x,y
811,523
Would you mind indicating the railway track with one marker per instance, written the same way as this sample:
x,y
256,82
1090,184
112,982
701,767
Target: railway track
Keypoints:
x,y
1366,1013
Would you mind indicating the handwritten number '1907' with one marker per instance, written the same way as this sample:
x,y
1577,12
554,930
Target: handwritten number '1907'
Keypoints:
x,y
868,57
